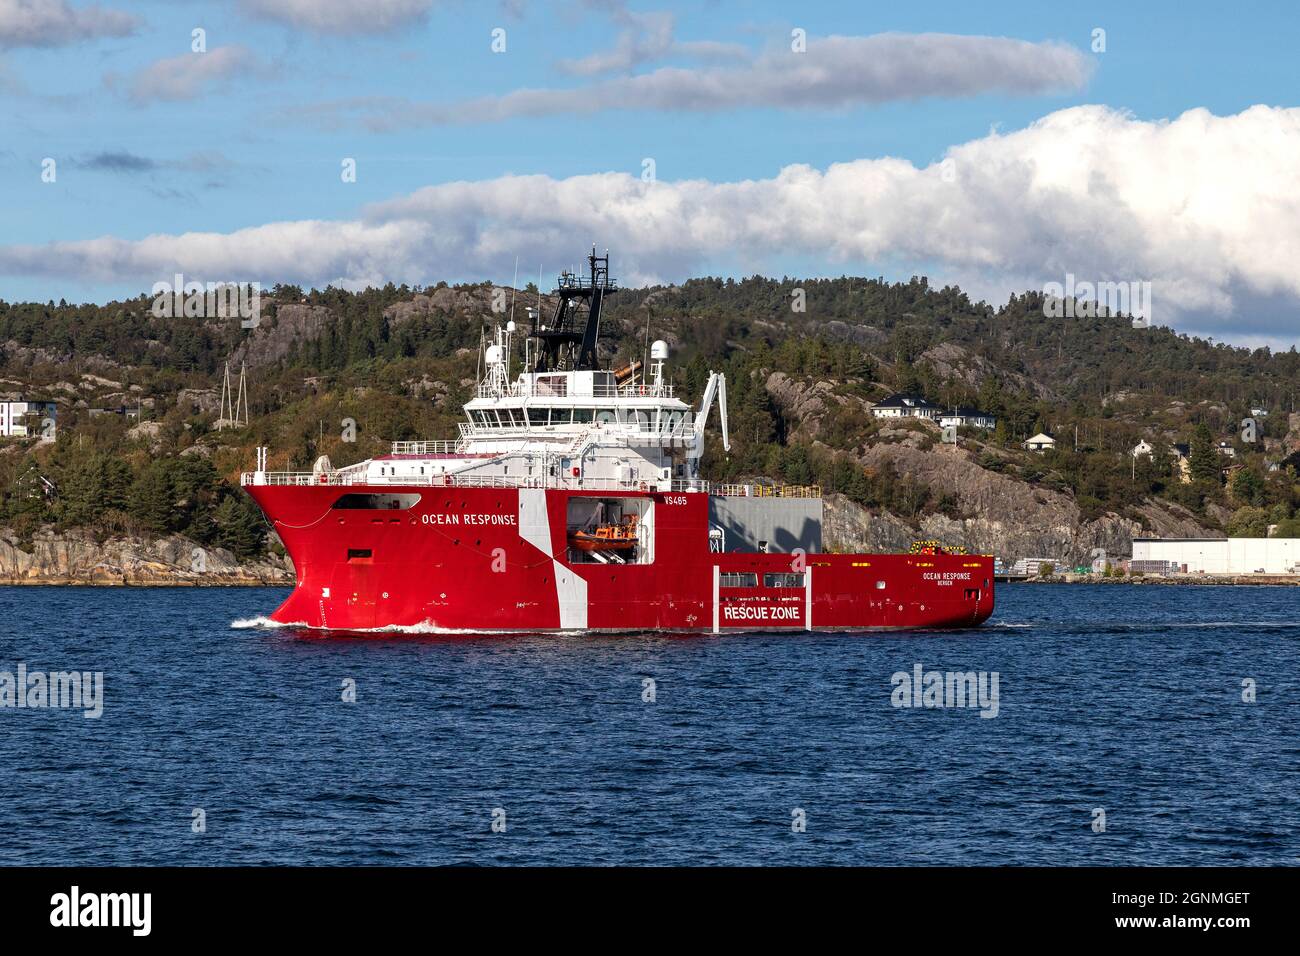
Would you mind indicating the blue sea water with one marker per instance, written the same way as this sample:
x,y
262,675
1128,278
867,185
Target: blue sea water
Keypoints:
x,y
1120,698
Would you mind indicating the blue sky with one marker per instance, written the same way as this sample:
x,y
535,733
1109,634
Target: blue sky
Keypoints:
x,y
256,137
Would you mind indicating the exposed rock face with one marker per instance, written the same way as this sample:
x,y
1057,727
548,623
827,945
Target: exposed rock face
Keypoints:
x,y
275,336
74,557
147,431
953,361
201,400
469,301
808,404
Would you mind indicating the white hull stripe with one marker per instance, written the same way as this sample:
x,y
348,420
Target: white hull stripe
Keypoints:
x,y
807,597
570,589
717,575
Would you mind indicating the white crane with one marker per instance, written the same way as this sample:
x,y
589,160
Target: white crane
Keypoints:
x,y
716,388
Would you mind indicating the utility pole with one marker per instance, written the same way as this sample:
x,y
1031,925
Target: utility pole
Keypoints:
x,y
225,414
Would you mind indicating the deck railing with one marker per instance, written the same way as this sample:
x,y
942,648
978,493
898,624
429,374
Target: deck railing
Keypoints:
x,y
769,491
427,447
332,479
549,390
557,482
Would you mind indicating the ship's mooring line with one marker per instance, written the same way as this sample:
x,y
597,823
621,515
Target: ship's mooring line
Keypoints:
x,y
303,527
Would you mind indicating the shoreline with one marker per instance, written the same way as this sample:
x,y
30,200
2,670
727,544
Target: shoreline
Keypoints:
x,y
1194,580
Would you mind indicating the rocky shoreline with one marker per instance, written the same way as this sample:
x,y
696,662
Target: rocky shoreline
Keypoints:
x,y
1244,580
75,557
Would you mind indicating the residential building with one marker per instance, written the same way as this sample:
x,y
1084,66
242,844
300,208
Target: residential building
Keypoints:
x,y
1041,443
906,406
967,417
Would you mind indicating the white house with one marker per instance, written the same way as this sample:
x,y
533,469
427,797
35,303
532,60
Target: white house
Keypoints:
x,y
968,417
906,406
1143,449
1041,443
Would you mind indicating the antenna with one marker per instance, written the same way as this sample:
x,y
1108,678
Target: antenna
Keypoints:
x,y
514,283
478,371
645,357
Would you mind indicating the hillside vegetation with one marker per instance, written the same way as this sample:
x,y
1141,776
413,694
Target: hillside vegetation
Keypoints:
x,y
342,374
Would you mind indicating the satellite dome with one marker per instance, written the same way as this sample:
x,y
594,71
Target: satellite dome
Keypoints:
x,y
659,350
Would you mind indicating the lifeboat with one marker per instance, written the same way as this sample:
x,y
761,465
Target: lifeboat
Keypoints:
x,y
606,537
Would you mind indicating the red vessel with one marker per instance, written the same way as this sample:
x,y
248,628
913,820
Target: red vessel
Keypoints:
x,y
572,502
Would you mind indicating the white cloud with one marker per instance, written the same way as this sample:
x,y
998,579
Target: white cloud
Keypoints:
x,y
834,72
188,75
1205,207
644,38
341,17
48,23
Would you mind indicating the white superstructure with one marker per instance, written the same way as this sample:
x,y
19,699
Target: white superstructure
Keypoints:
x,y
568,429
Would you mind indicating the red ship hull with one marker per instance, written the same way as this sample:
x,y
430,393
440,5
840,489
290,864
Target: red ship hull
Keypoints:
x,y
494,559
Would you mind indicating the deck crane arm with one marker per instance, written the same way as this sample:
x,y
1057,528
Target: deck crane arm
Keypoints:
x,y
716,388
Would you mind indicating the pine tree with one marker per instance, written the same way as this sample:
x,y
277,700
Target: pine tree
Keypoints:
x,y
1203,459
239,526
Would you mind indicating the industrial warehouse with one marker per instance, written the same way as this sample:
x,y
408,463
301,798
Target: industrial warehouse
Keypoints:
x,y
1229,556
